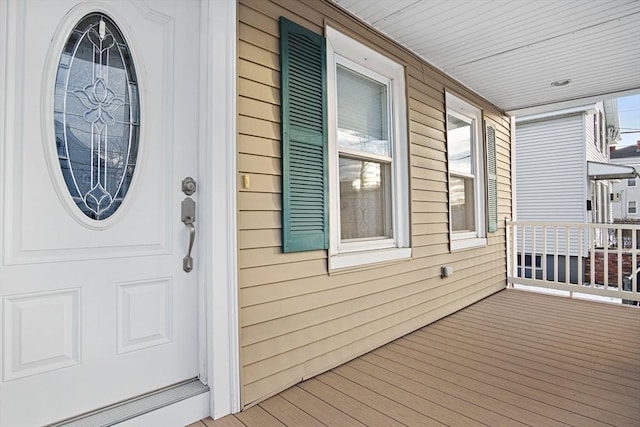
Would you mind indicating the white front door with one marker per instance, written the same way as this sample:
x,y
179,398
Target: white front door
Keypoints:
x,y
96,305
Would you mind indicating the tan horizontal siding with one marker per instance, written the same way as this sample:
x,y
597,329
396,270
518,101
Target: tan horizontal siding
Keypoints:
x,y
296,318
341,347
248,144
350,284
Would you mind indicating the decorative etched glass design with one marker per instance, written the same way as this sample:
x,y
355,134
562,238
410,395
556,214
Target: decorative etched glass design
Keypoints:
x,y
96,116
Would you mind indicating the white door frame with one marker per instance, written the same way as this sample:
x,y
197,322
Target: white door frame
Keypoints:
x,y
219,331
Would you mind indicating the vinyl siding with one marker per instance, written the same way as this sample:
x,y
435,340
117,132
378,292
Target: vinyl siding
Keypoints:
x,y
551,170
297,320
551,175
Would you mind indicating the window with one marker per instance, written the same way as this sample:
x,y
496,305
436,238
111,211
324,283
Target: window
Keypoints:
x,y
631,207
368,177
466,174
96,116
631,182
344,156
601,135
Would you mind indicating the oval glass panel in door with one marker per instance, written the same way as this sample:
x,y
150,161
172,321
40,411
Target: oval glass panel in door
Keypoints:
x,y
96,116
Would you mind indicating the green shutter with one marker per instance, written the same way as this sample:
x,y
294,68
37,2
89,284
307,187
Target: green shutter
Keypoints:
x,y
304,139
492,179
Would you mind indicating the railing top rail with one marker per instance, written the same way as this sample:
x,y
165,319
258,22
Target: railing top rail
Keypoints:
x,y
599,225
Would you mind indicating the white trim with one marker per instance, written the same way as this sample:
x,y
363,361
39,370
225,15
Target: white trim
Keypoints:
x,y
218,204
475,242
10,60
570,103
354,55
556,113
353,259
457,107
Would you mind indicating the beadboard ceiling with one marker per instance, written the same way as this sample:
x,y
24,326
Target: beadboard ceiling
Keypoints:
x,y
510,51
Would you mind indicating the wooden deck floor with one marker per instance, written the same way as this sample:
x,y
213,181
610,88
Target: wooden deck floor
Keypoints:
x,y
515,358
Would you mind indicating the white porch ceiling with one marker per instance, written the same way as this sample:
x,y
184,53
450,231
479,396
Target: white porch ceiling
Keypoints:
x,y
509,51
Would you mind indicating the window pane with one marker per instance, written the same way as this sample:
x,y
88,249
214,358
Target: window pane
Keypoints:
x,y
362,113
365,202
462,204
459,140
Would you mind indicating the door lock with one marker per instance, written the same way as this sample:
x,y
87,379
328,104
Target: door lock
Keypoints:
x,y
188,186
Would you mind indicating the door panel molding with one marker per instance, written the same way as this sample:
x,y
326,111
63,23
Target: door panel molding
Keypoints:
x,y
27,349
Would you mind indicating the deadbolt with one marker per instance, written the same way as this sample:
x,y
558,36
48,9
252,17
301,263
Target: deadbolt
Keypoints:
x,y
188,186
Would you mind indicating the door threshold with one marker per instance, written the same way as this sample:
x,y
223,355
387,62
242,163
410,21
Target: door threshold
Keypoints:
x,y
138,406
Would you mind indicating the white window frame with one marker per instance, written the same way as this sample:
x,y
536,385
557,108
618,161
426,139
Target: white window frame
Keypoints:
x,y
353,55
635,207
464,240
631,182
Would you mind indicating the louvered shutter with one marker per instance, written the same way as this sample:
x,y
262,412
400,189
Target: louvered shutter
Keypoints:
x,y
304,139
492,179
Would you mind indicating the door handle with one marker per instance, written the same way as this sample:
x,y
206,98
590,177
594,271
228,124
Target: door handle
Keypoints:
x,y
188,218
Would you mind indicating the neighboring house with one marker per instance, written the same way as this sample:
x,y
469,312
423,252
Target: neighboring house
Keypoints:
x,y
562,169
626,192
559,176
217,200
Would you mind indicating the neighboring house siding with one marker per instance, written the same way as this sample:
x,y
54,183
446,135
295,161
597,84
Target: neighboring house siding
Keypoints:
x,y
551,170
296,319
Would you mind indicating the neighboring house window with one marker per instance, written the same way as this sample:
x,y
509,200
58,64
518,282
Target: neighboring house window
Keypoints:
x,y
345,154
631,182
631,207
601,134
466,174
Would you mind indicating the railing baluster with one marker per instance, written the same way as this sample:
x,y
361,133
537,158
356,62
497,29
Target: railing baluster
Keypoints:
x,y
522,251
580,248
567,259
619,258
555,254
533,252
544,252
605,260
634,260
592,254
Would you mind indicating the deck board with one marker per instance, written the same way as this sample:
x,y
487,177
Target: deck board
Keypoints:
x,y
515,358
325,413
367,415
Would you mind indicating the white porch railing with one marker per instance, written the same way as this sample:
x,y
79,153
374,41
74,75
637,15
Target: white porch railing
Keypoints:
x,y
595,259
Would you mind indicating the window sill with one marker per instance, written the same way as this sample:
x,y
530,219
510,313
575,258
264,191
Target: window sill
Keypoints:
x,y
366,258
457,245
